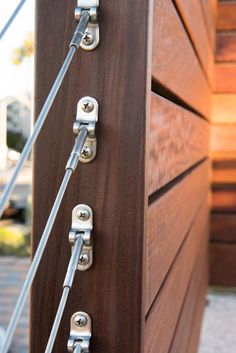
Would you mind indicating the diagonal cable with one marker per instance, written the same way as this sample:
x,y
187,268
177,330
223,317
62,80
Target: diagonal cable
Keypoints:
x,y
11,18
70,168
74,45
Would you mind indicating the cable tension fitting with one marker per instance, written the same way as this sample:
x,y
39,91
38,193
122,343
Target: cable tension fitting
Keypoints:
x,y
82,225
80,333
86,35
87,116
91,37
80,238
85,130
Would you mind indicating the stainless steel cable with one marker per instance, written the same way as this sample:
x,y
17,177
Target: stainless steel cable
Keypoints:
x,y
74,45
78,349
74,260
70,167
11,18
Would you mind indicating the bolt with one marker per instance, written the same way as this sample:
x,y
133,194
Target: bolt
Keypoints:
x,y
83,215
86,152
88,38
87,106
80,320
84,259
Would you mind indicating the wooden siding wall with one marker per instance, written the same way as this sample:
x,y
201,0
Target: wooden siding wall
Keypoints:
x,y
149,184
176,251
223,146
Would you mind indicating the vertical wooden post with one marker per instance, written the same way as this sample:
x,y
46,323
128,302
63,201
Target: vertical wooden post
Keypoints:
x,y
116,74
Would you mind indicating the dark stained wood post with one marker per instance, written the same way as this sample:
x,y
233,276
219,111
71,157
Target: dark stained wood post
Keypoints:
x,y
117,75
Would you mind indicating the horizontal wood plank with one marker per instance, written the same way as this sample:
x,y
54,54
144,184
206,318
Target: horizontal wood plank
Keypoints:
x,y
224,108
224,172
172,150
193,17
224,198
189,322
162,320
223,228
175,65
223,138
226,15
225,78
193,344
223,264
226,47
169,219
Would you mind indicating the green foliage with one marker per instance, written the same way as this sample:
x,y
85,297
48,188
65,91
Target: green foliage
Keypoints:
x,y
14,242
25,51
15,141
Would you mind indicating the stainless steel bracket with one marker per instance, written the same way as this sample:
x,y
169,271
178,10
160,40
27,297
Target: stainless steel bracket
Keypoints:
x,y
87,115
91,37
80,333
82,225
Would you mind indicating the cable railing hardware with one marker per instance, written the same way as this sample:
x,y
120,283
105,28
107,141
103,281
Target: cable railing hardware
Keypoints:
x,y
80,239
86,35
80,333
84,128
11,19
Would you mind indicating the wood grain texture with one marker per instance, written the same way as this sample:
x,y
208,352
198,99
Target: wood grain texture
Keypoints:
x,y
223,228
113,185
193,344
192,15
225,78
223,138
209,8
178,139
163,318
175,65
223,264
169,219
226,47
224,108
187,331
226,15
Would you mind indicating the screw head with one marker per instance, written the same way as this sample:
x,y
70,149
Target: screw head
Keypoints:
x,y
87,106
86,152
83,215
80,320
84,259
88,38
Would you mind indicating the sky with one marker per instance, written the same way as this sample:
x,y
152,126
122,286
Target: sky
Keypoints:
x,y
15,80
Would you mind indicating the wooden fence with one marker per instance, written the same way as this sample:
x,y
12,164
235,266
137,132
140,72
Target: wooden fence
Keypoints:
x,y
223,225
149,184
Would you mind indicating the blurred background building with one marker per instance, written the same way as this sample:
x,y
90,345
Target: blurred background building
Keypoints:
x,y
16,91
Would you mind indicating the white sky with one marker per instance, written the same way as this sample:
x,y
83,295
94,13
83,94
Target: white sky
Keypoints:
x,y
15,80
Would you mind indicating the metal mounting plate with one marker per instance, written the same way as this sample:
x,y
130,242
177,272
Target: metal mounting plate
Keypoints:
x,y
91,37
82,222
80,332
92,34
82,219
87,115
87,4
86,259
